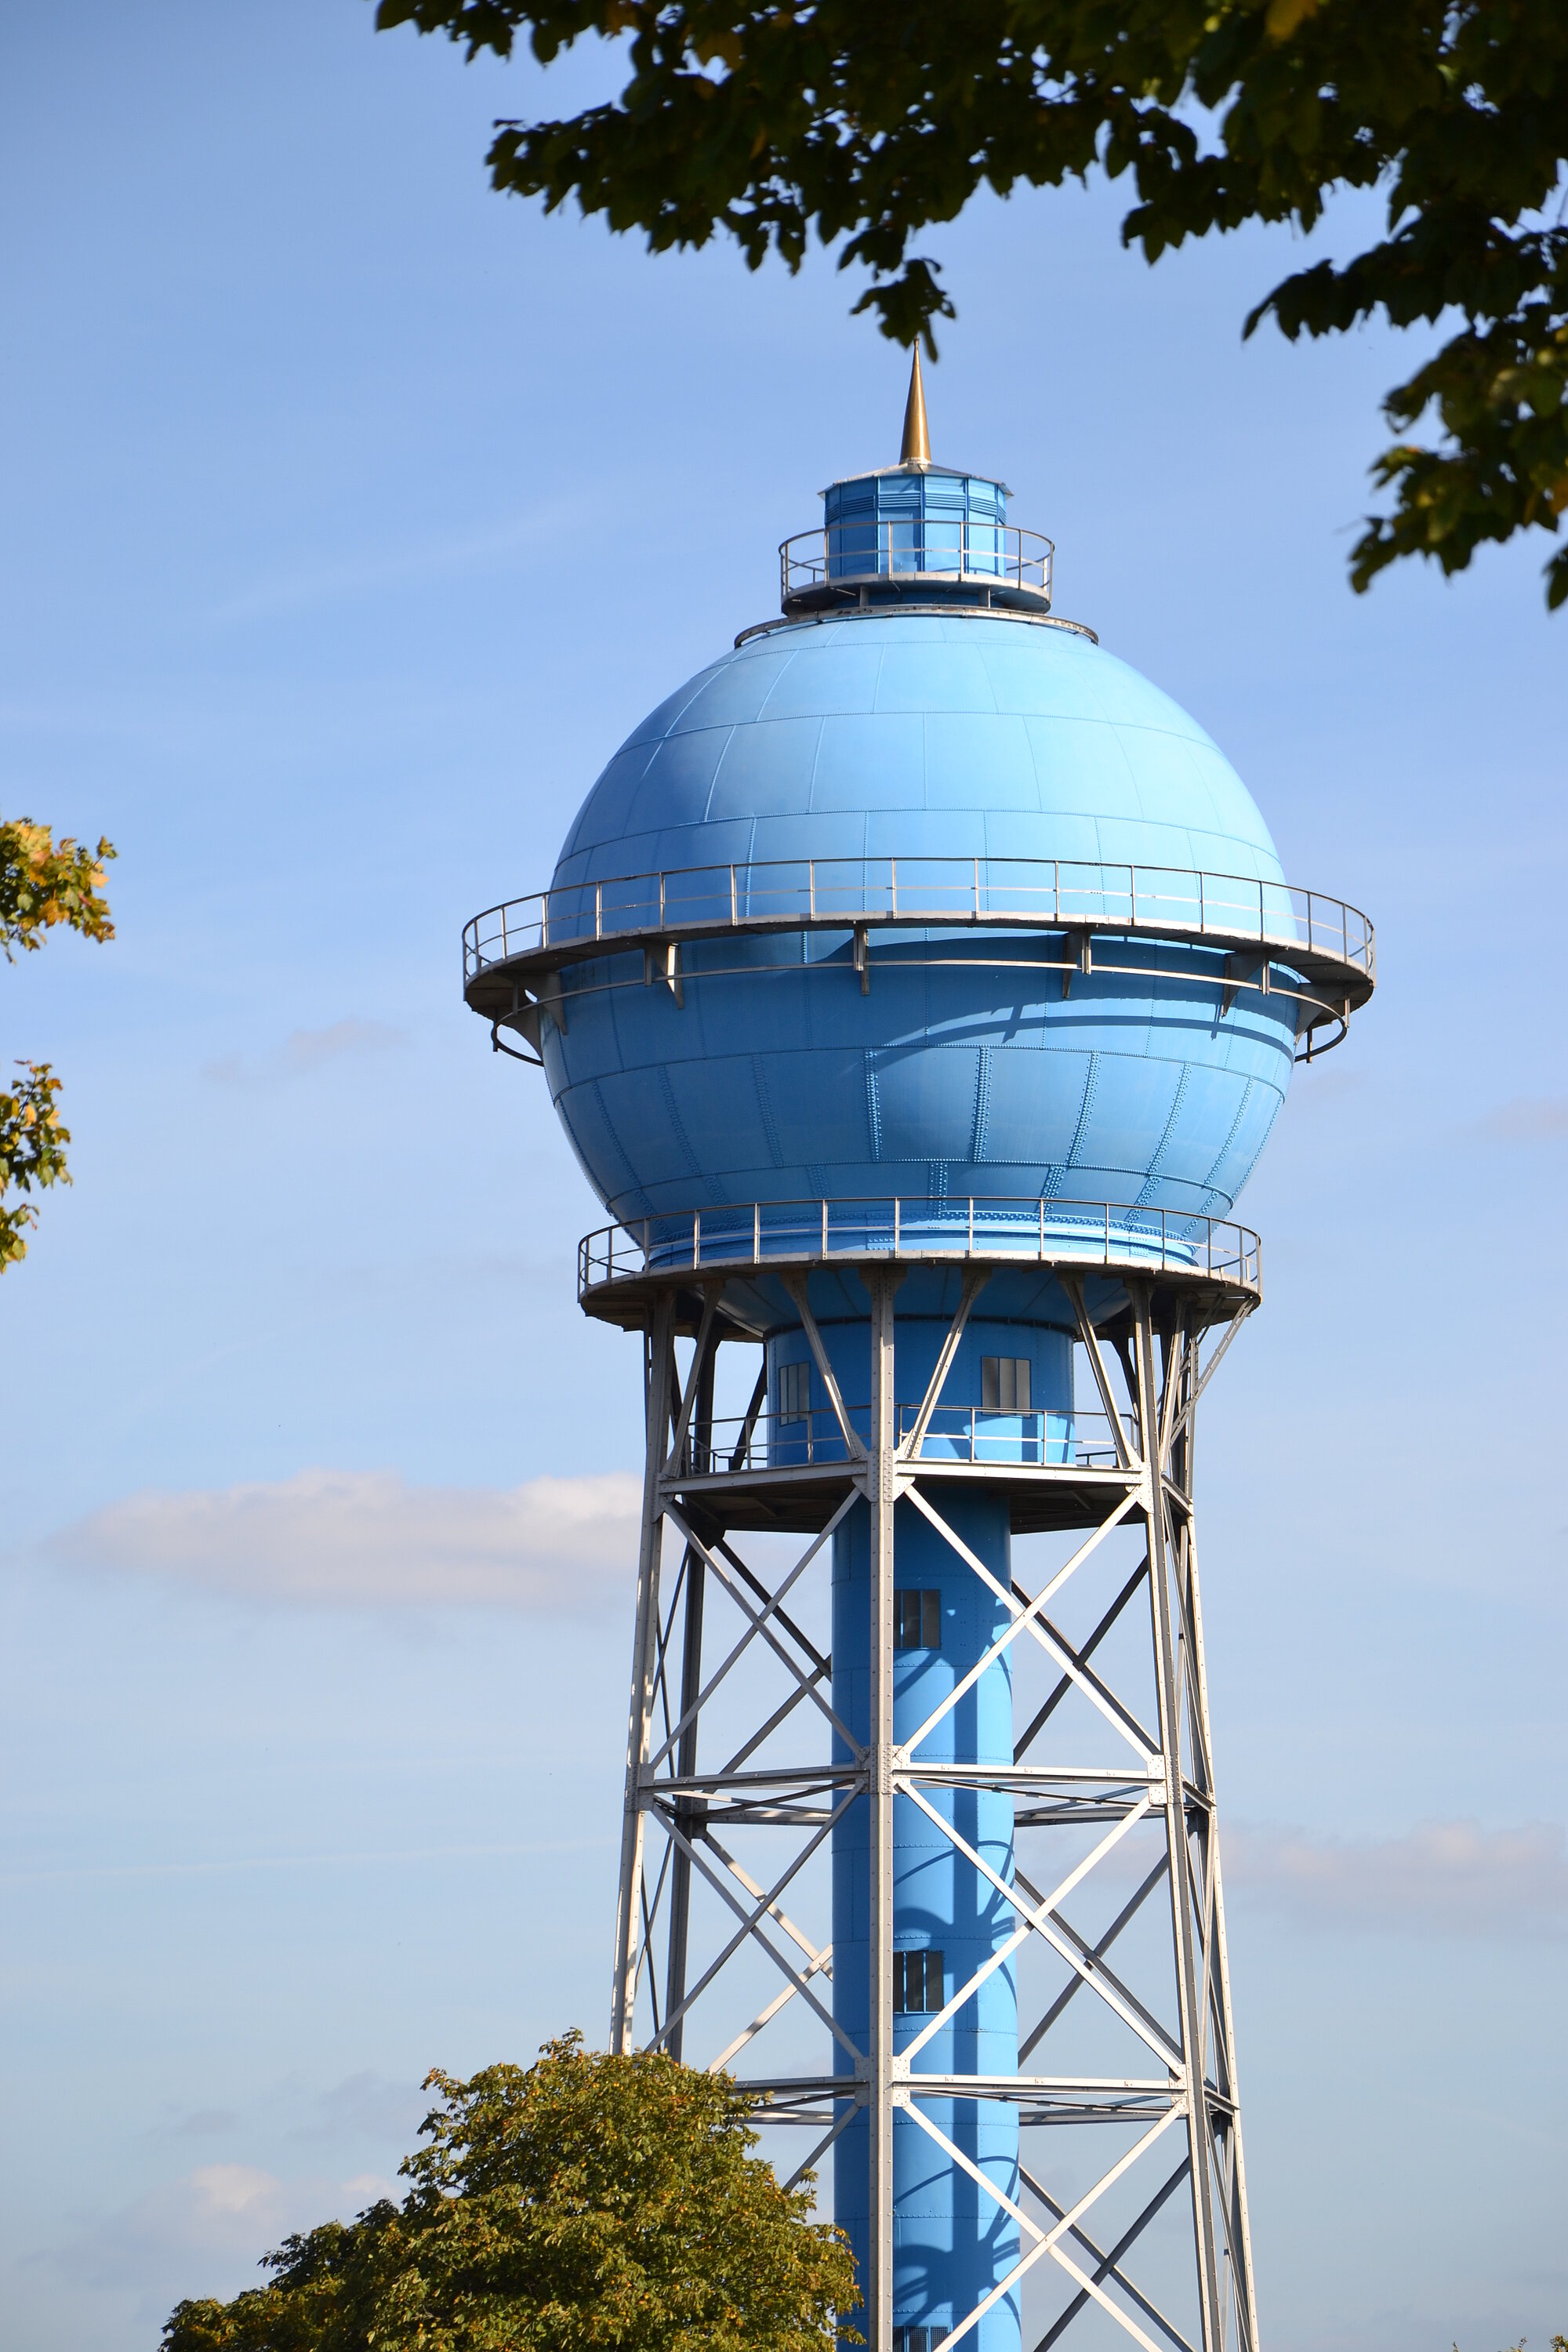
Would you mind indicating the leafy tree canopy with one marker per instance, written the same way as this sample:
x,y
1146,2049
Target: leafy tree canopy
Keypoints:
x,y
590,2201
42,883
868,120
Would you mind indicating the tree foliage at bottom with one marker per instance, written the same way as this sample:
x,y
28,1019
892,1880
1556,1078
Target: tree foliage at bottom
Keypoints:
x,y
589,2201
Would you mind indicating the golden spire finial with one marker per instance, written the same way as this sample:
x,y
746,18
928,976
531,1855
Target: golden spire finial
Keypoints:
x,y
916,451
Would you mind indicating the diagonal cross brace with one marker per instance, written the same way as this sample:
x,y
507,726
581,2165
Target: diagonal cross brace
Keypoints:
x,y
758,1624
974,1281
1092,1688
796,1285
1046,2241
1024,1618
1057,1895
751,1924
1109,2262
1043,1925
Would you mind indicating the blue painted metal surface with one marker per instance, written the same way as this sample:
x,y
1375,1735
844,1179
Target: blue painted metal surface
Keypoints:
x,y
956,735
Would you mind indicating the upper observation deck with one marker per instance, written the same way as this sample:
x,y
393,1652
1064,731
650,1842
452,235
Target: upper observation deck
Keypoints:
x,y
1266,936
925,554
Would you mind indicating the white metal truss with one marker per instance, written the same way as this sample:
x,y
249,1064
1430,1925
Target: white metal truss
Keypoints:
x,y
708,1616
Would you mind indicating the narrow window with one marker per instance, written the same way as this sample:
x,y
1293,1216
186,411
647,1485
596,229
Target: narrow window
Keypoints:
x,y
795,1391
1004,1384
915,2339
916,1983
917,1620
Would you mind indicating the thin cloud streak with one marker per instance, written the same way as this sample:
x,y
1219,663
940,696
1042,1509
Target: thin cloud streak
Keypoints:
x,y
368,1858
436,558
553,1547
1440,1879
1528,1119
203,2232
304,1050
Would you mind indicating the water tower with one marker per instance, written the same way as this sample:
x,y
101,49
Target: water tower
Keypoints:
x,y
918,985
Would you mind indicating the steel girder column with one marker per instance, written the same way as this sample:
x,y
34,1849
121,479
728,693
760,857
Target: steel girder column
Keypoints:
x,y
689,1813
881,1478
1183,1385
1202,2000
659,1368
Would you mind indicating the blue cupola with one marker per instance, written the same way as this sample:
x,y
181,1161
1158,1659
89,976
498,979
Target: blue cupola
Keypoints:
x,y
917,531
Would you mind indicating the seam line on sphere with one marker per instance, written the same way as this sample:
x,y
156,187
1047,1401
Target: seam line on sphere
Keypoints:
x,y
981,1104
1090,1081
758,1080
678,1127
1146,1189
1223,1154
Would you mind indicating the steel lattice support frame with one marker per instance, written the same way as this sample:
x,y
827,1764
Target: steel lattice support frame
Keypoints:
x,y
700,1491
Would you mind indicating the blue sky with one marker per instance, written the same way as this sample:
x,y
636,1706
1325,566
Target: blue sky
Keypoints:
x,y
349,518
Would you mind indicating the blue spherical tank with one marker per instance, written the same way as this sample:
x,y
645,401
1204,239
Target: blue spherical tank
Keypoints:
x,y
949,745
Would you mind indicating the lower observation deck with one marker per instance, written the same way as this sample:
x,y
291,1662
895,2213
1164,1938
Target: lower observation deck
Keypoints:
x,y
622,1267
744,1273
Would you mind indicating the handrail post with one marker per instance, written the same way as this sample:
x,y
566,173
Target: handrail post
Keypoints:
x,y
894,1224
734,901
971,1225
893,884
697,1237
811,886
825,1228
756,1232
977,890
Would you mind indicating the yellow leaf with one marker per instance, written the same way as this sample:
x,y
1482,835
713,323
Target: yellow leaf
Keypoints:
x,y
1282,16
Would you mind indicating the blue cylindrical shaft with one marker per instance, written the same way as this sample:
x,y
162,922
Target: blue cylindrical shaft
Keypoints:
x,y
1007,1399
951,2242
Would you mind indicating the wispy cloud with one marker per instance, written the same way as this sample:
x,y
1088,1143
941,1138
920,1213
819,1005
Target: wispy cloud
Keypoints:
x,y
368,2106
203,2122
368,1539
205,2233
1441,1878
304,1050
1528,1119
392,567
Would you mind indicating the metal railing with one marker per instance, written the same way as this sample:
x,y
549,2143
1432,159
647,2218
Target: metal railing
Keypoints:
x,y
969,1435
574,918
1038,1231
916,548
